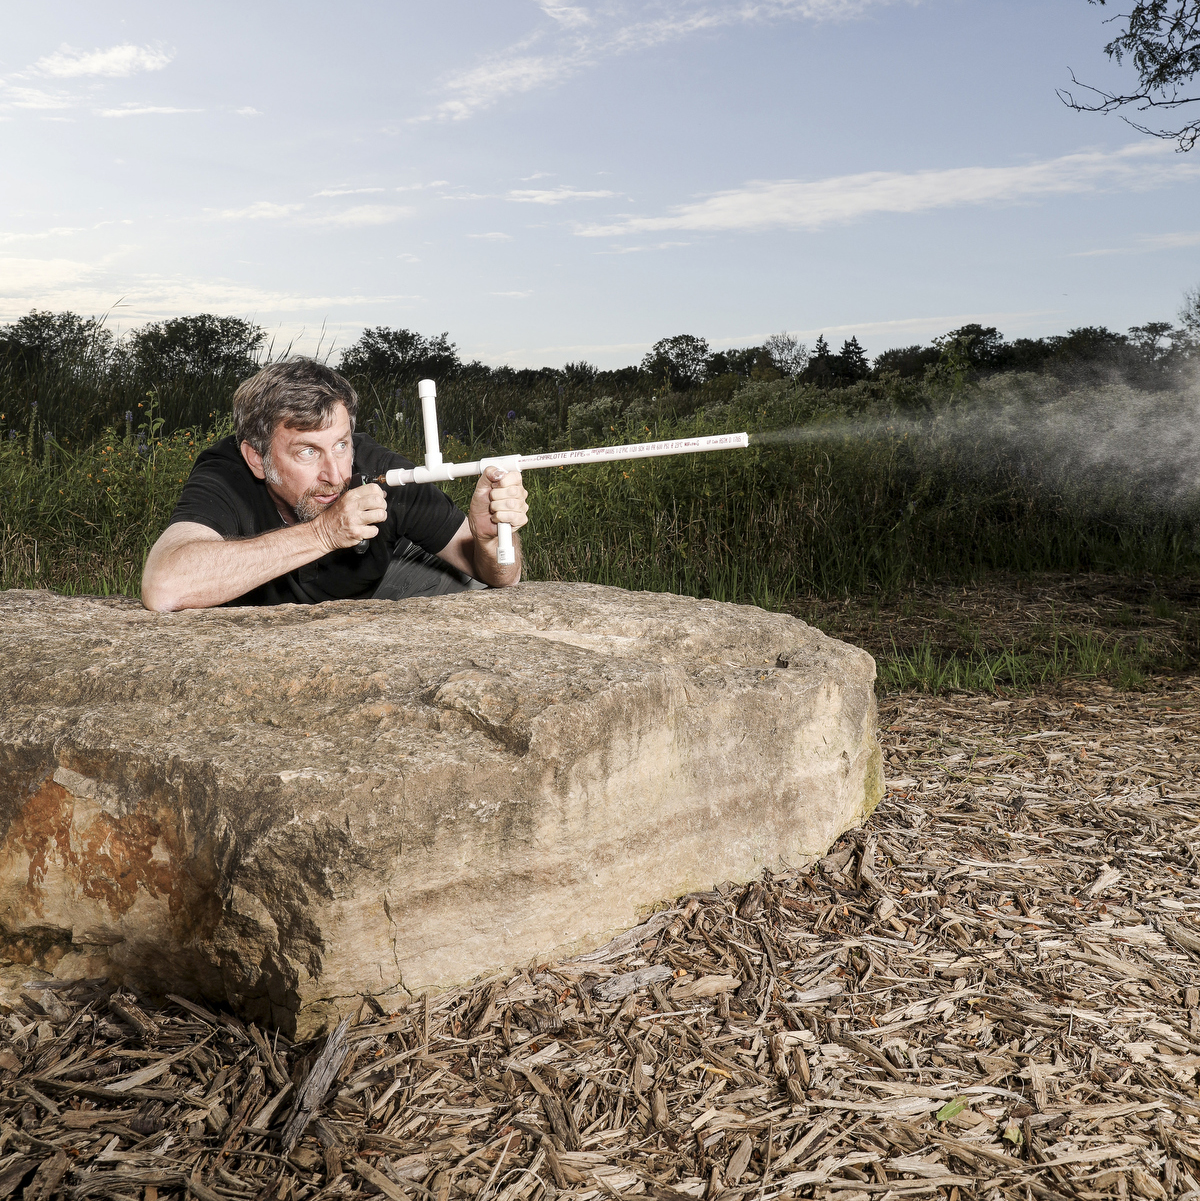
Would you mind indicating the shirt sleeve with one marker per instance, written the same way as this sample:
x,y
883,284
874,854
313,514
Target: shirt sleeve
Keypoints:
x,y
431,518
207,499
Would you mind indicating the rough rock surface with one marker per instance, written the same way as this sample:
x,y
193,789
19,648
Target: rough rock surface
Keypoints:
x,y
286,809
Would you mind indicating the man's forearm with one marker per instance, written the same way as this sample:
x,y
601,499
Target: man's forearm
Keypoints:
x,y
492,573
200,573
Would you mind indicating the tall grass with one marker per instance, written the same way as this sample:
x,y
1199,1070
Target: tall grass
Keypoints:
x,y
82,519
1071,654
866,497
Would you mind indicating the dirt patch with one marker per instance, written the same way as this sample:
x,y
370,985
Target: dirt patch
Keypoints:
x,y
992,990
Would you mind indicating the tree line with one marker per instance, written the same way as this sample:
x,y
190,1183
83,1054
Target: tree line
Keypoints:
x,y
71,374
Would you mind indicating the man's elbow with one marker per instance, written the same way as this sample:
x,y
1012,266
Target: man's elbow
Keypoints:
x,y
157,598
160,592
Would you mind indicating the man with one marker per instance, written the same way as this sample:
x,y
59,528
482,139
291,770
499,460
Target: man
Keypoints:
x,y
272,515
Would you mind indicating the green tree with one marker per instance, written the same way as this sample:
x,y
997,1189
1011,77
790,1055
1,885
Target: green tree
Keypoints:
x,y
194,348
822,366
55,340
1189,315
682,360
1161,38
1148,339
581,374
982,344
852,362
788,354
906,361
400,356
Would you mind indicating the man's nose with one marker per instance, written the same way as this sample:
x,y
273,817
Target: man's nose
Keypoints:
x,y
331,470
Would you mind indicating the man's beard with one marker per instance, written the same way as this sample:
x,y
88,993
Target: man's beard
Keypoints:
x,y
308,507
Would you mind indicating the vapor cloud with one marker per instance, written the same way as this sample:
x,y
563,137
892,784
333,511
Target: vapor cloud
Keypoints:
x,y
763,205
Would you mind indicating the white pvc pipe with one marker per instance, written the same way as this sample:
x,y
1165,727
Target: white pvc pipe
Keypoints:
x,y
427,391
568,458
505,555
435,470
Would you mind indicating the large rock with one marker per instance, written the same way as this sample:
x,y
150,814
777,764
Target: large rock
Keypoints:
x,y
286,809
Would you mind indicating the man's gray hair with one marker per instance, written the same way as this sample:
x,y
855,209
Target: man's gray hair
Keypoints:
x,y
297,393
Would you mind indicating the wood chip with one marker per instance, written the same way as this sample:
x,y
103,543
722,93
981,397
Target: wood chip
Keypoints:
x,y
994,987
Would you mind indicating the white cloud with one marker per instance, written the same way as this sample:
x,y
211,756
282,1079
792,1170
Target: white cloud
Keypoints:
x,y
498,79
60,231
91,288
762,205
536,356
578,38
513,295
554,195
354,217
494,236
34,277
420,187
248,111
902,329
408,258
567,15
362,215
346,191
1147,244
643,249
14,96
116,62
142,110
260,210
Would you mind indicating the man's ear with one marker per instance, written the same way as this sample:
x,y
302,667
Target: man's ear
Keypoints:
x,y
253,460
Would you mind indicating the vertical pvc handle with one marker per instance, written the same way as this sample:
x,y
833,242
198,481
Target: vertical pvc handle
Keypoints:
x,y
505,555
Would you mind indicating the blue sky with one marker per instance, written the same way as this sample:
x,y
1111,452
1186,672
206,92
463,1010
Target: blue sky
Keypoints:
x,y
551,181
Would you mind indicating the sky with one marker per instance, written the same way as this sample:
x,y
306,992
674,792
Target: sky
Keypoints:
x,y
552,182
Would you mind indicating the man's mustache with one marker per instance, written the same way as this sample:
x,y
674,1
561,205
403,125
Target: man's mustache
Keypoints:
x,y
308,507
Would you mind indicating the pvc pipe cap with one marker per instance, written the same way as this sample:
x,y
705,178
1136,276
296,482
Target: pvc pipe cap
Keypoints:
x,y
426,389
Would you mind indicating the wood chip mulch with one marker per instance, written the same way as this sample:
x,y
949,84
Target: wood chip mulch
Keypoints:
x,y
993,990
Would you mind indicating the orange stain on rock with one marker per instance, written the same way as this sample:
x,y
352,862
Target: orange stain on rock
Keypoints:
x,y
110,859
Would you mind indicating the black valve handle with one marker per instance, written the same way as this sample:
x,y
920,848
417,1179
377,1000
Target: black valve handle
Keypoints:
x,y
360,547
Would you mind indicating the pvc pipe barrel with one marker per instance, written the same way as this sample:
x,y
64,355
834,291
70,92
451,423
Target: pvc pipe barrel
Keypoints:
x,y
568,458
505,552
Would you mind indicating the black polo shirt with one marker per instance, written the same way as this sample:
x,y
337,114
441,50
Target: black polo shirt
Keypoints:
x,y
225,495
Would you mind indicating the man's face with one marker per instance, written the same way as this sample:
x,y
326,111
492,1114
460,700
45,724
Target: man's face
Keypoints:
x,y
307,470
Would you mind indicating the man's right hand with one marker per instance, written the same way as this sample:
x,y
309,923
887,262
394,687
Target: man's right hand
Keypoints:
x,y
355,515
